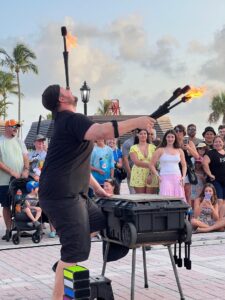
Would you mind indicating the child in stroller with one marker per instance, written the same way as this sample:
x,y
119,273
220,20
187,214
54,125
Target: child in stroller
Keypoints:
x,y
25,213
30,204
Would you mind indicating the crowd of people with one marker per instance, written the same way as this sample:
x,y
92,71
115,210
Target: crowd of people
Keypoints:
x,y
179,165
150,165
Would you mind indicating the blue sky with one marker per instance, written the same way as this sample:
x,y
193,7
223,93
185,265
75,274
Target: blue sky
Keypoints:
x,y
134,51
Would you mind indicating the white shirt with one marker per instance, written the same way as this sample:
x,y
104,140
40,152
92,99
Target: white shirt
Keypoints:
x,y
11,154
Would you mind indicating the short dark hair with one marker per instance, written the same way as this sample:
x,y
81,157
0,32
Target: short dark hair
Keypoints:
x,y
221,127
191,125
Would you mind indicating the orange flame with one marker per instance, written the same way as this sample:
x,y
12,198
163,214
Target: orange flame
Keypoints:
x,y
195,92
71,41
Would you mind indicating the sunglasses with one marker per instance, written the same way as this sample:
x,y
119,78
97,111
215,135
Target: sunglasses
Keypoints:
x,y
14,126
191,129
178,130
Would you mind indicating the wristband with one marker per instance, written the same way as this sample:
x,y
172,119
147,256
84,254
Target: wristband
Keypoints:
x,y
115,127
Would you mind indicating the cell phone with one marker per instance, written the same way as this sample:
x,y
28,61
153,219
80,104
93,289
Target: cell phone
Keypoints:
x,y
207,197
186,140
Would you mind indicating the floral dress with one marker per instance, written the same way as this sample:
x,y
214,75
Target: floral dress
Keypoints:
x,y
206,216
138,174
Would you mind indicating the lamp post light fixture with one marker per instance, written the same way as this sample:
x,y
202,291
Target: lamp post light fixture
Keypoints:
x,y
85,94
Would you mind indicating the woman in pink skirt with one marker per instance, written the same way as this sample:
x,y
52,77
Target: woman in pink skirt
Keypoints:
x,y
169,155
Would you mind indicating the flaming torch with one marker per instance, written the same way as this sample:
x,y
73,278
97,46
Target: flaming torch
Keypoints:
x,y
188,93
70,41
65,56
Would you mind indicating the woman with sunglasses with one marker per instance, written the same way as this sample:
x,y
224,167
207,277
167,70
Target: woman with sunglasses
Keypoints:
x,y
169,155
189,153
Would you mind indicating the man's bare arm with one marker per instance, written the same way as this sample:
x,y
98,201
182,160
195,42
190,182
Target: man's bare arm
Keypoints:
x,y
106,130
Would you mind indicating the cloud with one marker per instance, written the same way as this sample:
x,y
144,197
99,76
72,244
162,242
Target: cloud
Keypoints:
x,y
196,47
213,68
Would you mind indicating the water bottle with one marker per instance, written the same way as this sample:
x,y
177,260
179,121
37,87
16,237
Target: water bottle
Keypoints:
x,y
18,201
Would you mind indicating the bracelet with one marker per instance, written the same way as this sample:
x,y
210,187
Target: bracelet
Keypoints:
x,y
115,127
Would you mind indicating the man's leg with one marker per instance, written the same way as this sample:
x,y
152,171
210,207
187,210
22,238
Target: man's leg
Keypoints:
x,y
59,280
7,217
70,219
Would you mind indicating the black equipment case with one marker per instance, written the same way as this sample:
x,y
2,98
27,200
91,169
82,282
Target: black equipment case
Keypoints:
x,y
143,218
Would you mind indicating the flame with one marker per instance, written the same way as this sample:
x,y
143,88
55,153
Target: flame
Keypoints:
x,y
71,41
195,93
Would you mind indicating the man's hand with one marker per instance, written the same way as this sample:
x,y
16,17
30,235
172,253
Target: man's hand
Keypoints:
x,y
25,173
100,171
15,174
102,193
145,123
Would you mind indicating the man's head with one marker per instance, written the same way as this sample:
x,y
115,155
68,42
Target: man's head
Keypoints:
x,y
191,130
39,142
221,131
209,134
11,128
57,98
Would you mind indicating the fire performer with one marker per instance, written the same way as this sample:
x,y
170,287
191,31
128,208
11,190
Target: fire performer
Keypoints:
x,y
65,176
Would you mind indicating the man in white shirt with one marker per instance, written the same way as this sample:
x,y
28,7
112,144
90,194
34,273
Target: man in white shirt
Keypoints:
x,y
14,162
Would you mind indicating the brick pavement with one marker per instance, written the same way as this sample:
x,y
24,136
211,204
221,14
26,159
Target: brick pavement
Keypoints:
x,y
25,274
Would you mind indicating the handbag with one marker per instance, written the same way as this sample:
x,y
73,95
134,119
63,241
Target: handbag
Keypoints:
x,y
192,177
120,174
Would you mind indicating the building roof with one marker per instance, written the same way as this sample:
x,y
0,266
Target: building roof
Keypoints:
x,y
46,127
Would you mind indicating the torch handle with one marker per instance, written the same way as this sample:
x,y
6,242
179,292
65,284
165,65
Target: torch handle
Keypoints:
x,y
161,111
66,56
39,124
165,107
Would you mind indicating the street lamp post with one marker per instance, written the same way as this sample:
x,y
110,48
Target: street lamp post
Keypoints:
x,y
85,94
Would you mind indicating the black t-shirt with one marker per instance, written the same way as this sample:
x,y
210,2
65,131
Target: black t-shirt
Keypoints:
x,y
66,170
217,165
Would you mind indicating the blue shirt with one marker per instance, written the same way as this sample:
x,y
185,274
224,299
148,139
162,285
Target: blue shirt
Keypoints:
x,y
102,158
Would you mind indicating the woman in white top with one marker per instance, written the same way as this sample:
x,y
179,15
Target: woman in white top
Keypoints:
x,y
169,155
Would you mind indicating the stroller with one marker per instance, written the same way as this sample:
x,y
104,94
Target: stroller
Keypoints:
x,y
19,218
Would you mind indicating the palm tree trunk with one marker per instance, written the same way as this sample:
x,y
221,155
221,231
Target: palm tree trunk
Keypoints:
x,y
19,98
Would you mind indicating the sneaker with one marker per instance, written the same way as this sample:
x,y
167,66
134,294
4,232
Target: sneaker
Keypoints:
x,y
52,234
7,235
54,267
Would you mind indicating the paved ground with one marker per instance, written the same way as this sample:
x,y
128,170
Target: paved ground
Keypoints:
x,y
25,273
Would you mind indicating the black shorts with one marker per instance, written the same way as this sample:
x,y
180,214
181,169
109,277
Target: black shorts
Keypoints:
x,y
74,219
5,200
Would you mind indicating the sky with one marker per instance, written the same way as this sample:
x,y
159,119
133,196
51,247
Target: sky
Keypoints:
x,y
136,51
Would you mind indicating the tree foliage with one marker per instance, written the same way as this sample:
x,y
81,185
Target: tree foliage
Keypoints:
x,y
20,61
218,108
7,86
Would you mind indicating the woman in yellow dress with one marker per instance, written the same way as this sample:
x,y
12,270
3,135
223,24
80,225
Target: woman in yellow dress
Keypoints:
x,y
141,153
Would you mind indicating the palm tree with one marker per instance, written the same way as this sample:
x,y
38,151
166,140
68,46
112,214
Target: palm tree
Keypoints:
x,y
7,85
19,61
218,108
